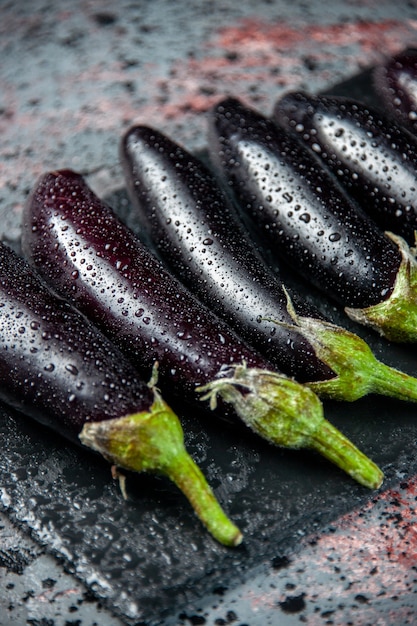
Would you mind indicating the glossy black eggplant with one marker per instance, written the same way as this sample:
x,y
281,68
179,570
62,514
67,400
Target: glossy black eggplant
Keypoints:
x,y
194,230
395,82
194,227
89,256
57,368
302,212
373,158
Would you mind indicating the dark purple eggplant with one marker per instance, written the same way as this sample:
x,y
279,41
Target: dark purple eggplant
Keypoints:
x,y
194,228
309,221
395,82
57,368
89,256
373,158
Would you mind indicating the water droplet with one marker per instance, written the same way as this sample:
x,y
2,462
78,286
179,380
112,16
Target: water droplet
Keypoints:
x,y
49,368
305,217
208,241
75,274
334,236
71,369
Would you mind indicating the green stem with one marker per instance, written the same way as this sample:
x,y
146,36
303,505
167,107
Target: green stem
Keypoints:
x,y
290,415
342,452
395,318
190,480
357,370
153,441
391,382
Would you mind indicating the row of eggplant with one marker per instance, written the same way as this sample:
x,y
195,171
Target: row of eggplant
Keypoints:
x,y
97,330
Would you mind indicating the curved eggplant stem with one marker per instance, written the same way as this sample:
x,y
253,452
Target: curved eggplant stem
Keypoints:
x,y
153,441
357,371
290,415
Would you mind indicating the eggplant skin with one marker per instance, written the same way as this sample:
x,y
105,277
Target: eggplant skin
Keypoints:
x,y
55,366
299,209
196,232
90,257
395,82
373,157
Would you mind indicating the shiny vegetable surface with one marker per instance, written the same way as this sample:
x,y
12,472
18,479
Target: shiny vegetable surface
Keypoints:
x,y
195,230
395,82
60,370
307,220
372,157
89,256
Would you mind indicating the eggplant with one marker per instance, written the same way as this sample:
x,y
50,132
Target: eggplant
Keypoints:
x,y
191,226
373,157
395,82
58,369
301,211
86,254
194,228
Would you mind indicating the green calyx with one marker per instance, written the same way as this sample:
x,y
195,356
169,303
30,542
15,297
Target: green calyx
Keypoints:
x,y
357,371
290,415
153,441
395,318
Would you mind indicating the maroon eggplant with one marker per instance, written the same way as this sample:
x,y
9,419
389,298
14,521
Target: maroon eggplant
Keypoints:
x,y
309,221
89,256
195,230
373,158
395,82
57,368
